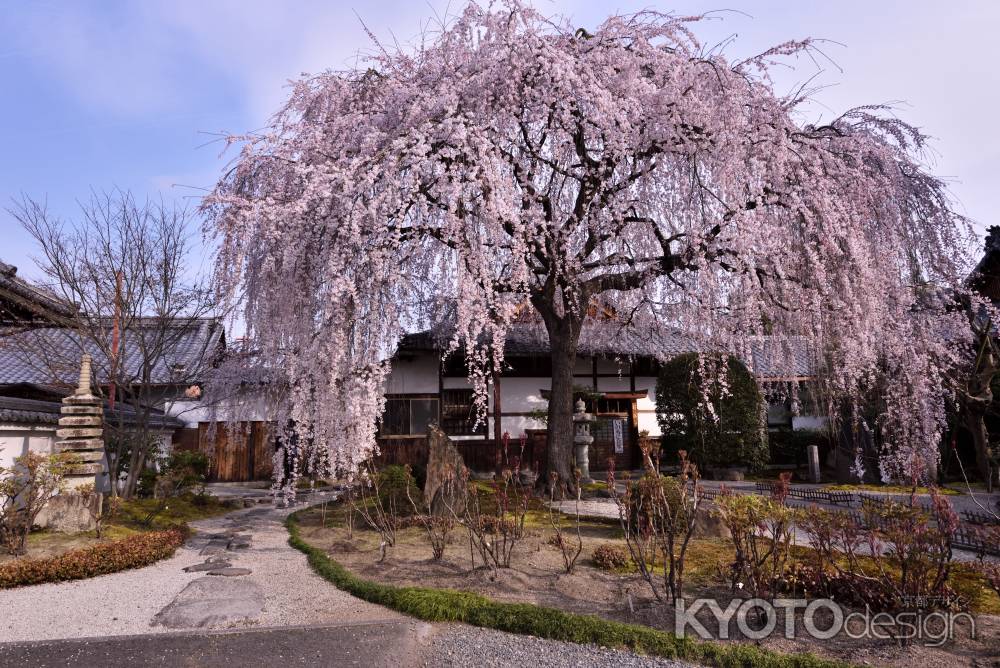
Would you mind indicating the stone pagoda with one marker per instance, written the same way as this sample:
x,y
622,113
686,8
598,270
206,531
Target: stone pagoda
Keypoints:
x,y
80,431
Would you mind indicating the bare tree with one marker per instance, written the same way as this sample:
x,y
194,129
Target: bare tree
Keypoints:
x,y
125,266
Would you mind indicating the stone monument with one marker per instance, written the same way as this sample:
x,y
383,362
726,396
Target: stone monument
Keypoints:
x,y
80,437
80,431
582,439
444,490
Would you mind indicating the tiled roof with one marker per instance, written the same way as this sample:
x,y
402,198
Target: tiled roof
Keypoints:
x,y
40,303
769,357
51,355
33,411
782,358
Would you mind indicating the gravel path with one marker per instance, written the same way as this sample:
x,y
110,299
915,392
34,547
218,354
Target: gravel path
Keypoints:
x,y
471,646
125,603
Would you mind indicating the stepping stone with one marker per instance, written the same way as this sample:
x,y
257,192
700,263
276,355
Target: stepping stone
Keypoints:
x,y
213,551
214,602
239,543
230,572
215,546
209,565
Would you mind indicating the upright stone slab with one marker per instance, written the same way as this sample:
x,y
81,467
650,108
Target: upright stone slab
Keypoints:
x,y
444,487
812,453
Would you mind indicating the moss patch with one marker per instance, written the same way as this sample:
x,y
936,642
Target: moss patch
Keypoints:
x,y
889,489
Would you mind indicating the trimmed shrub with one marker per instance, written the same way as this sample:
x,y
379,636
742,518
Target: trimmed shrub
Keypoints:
x,y
729,429
130,552
610,557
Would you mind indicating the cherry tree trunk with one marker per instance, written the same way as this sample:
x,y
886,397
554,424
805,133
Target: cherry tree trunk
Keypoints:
x,y
564,335
975,422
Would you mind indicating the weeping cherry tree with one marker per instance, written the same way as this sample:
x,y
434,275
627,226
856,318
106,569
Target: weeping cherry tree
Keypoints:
x,y
511,161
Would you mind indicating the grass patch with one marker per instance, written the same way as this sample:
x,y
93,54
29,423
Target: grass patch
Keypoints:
x,y
131,515
445,605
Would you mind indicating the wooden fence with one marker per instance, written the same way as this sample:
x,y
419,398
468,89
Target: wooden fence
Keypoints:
x,y
238,454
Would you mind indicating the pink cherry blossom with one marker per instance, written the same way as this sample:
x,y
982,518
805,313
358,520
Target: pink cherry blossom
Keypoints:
x,y
510,159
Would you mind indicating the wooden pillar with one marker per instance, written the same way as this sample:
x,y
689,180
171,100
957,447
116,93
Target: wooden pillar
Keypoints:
x,y
497,426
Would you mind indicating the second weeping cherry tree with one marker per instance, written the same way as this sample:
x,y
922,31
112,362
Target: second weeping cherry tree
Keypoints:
x,y
512,161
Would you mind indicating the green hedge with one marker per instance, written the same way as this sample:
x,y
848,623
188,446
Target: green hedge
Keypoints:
x,y
130,552
446,605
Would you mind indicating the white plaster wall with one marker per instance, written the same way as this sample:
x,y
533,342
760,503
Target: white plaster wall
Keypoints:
x,y
614,385
247,406
521,395
647,405
18,439
418,375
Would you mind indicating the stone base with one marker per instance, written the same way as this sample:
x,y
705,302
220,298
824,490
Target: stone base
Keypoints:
x,y
71,512
729,474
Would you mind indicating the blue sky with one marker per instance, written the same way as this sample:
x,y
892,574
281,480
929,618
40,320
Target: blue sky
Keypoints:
x,y
104,93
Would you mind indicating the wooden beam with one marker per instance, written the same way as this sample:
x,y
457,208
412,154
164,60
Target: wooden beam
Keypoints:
x,y
497,421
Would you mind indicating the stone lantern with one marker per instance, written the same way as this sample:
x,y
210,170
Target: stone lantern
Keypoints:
x,y
582,439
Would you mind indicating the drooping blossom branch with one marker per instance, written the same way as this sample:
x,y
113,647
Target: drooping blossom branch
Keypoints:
x,y
514,161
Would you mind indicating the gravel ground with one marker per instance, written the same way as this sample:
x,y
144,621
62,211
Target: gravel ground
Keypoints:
x,y
124,603
471,646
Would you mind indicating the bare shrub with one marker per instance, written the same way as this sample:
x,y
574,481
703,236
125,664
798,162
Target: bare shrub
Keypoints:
x,y
377,508
898,557
569,547
990,570
761,531
495,528
657,514
437,526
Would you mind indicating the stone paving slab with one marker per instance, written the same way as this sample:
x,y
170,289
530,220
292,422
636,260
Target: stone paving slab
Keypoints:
x,y
213,602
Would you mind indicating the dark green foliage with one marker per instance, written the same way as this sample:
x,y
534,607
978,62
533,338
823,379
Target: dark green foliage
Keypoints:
x,y
446,605
189,465
147,483
393,482
737,437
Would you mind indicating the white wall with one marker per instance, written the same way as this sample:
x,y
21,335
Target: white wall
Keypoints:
x,y
248,406
417,375
647,405
18,439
